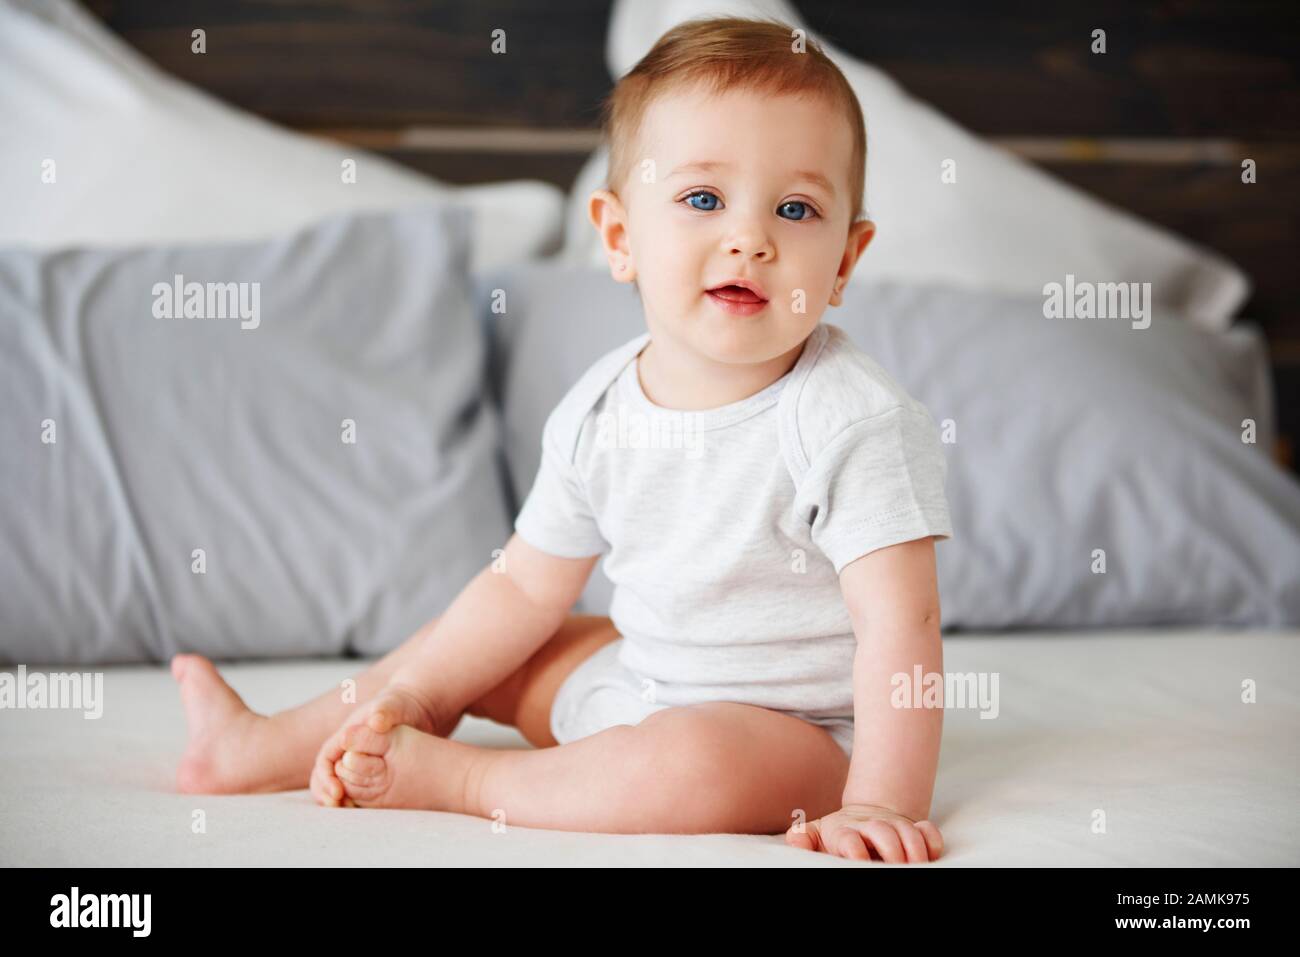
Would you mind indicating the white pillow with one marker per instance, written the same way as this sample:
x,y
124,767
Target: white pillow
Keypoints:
x,y
141,157
1004,226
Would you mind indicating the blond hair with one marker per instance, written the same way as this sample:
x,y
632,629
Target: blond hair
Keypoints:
x,y
723,54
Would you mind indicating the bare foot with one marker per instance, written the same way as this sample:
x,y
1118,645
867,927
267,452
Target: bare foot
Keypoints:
x,y
406,768
217,758
391,707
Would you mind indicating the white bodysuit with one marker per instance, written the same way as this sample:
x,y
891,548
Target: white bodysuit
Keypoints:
x,y
724,530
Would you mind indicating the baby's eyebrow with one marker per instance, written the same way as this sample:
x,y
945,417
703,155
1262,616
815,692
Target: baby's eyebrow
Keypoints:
x,y
815,178
702,166
707,166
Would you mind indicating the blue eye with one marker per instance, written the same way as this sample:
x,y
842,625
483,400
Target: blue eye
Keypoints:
x,y
711,203
801,206
702,193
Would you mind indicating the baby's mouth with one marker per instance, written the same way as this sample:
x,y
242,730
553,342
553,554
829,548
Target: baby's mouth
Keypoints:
x,y
736,294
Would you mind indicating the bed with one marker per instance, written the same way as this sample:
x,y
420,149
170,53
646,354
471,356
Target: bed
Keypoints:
x,y
293,498
1148,726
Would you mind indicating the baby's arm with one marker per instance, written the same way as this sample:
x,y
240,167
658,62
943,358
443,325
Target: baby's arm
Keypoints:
x,y
495,625
499,619
893,599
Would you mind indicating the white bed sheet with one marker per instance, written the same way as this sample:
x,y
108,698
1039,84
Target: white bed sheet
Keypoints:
x,y
1148,726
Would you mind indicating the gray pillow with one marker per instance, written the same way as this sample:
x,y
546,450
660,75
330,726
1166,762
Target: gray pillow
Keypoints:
x,y
1071,436
203,491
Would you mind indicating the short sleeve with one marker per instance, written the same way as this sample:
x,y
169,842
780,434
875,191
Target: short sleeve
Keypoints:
x,y
557,516
879,482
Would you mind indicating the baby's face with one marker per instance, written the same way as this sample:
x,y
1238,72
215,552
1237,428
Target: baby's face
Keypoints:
x,y
773,209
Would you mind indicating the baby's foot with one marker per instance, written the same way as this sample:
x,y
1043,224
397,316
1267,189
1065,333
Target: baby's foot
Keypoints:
x,y
394,706
217,759
406,768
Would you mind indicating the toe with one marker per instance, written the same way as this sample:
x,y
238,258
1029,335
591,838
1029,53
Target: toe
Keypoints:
x,y
359,791
182,665
352,779
366,765
365,739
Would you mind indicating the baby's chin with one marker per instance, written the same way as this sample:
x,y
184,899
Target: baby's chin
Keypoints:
x,y
747,340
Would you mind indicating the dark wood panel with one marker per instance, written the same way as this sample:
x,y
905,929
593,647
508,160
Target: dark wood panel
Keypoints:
x,y
470,167
1002,68
1183,68
383,63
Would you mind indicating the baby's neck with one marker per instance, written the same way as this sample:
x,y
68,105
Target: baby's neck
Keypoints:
x,y
674,377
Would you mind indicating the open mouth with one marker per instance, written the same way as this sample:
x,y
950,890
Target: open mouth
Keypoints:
x,y
737,300
737,294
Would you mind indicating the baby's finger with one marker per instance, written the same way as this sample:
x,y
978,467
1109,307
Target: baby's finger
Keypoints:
x,y
323,774
384,714
933,839
330,790
913,843
332,749
885,840
319,791
807,839
324,770
847,842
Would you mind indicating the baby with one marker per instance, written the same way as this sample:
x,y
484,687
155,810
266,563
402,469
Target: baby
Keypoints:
x,y
773,571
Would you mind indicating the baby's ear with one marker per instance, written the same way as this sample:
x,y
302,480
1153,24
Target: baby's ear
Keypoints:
x,y
607,215
604,208
860,235
596,206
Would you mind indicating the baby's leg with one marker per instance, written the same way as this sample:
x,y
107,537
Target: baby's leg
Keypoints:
x,y
233,750
717,767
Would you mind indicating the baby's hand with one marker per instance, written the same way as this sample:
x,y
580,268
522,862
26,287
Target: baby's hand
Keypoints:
x,y
856,830
393,705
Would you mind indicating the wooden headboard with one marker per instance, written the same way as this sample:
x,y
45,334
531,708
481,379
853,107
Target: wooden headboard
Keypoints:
x,y
1158,125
